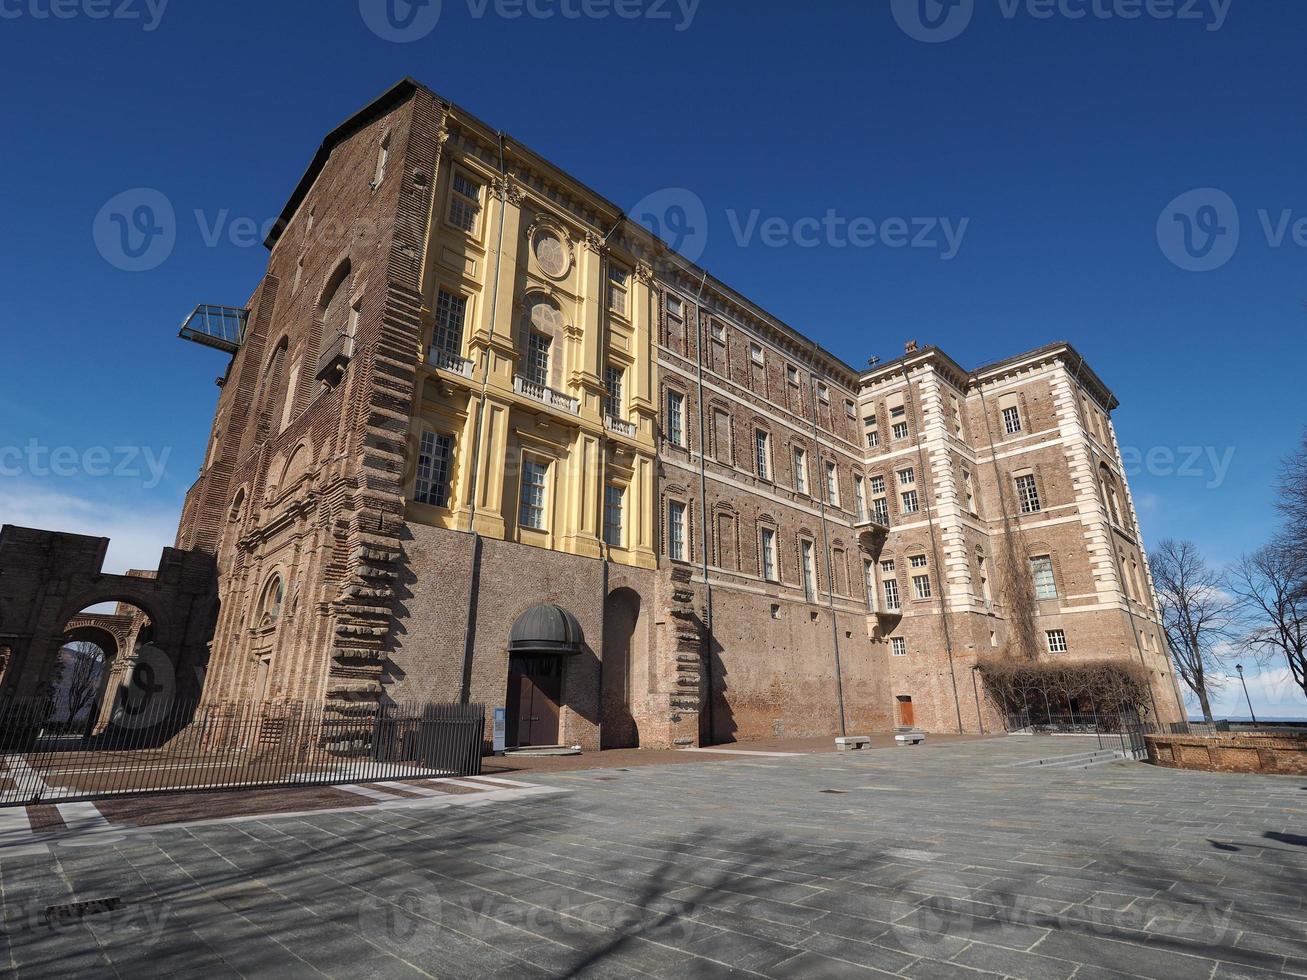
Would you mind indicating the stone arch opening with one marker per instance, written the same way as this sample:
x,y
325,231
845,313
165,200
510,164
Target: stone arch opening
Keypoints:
x,y
625,662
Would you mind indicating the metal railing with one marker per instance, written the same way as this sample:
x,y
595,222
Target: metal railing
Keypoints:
x,y
180,748
1123,731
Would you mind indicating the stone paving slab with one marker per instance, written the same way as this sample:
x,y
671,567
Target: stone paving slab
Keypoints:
x,y
930,862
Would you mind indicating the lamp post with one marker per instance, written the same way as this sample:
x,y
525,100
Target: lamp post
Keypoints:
x,y
975,669
1253,714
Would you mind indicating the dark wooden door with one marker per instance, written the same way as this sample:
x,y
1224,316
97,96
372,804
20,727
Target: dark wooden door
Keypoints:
x,y
535,689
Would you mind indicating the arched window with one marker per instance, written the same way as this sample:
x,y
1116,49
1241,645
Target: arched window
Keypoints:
x,y
540,342
269,610
333,310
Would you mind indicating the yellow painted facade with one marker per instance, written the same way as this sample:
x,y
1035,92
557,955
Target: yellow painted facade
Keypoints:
x,y
548,370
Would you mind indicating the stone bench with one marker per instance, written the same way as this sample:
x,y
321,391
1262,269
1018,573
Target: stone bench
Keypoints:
x,y
851,743
909,738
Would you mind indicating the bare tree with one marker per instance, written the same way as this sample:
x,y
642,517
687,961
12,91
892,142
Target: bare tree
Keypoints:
x,y
1293,501
80,678
1271,587
1197,614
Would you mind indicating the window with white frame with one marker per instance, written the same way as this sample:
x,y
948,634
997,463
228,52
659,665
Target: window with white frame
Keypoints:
x,y
832,484
613,377
823,392
676,531
717,332
1012,420
873,439
880,511
809,571
898,646
1056,641
906,477
614,504
892,601
921,585
432,483
908,501
762,453
769,563
860,497
917,561
464,202
537,358
877,485
618,286
869,581
1041,570
1028,494
676,308
756,355
900,431
800,471
887,566
792,375
451,313
850,409
535,475
676,418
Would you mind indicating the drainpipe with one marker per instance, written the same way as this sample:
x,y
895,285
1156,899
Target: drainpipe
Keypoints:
x,y
703,509
465,690
934,548
825,544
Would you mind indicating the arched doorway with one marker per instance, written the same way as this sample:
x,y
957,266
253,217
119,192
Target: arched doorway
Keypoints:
x,y
539,644
622,656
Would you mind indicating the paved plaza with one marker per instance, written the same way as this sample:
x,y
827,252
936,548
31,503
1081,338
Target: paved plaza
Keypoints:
x,y
949,860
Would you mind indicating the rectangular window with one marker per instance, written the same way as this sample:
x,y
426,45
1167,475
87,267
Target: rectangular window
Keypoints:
x,y
762,453
907,477
832,485
909,499
464,203
968,492
888,566
860,497
432,486
614,501
613,378
532,511
1056,641
898,646
451,312
1011,420
877,485
850,409
792,375
717,332
983,570
917,561
1041,570
676,531
676,418
1028,494
873,439
900,431
897,412
809,572
537,359
769,554
921,584
869,583
891,587
880,511
617,289
675,309
823,392
800,471
756,354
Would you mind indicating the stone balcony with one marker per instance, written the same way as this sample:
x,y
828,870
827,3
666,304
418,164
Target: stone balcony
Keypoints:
x,y
444,361
622,427
545,394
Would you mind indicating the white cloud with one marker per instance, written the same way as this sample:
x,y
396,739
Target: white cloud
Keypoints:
x,y
1273,692
137,532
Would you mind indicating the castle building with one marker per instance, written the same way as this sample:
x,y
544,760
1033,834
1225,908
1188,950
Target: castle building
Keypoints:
x,y
483,438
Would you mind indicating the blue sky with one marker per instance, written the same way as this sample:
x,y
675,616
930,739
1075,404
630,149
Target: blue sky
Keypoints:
x,y
1053,147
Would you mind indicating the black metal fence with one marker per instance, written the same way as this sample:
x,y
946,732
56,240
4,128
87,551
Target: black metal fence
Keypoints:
x,y
1119,732
181,747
